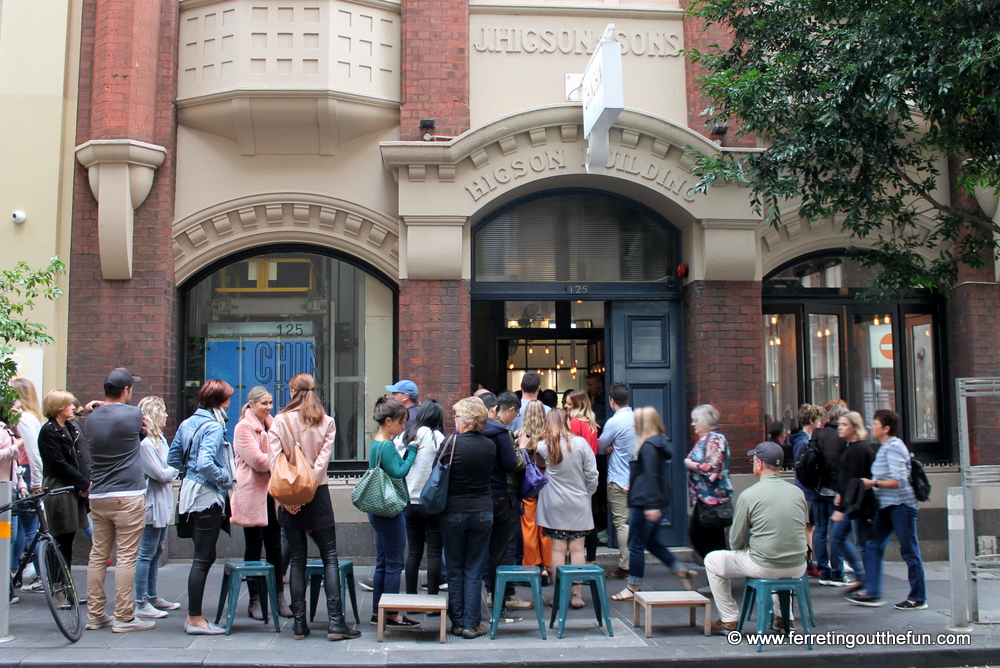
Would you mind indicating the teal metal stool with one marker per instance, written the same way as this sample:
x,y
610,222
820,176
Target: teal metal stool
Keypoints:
x,y
588,574
758,591
233,575
517,575
314,576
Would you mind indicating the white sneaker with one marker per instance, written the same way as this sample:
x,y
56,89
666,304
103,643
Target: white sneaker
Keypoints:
x,y
146,609
134,624
163,604
29,574
33,588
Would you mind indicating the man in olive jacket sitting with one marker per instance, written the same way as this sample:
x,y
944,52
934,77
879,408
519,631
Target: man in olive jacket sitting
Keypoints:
x,y
768,535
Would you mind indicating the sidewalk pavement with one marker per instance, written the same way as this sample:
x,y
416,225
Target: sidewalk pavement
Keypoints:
x,y
38,642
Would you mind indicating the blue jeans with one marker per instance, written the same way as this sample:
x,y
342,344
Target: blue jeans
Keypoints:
x,y
466,538
23,530
822,510
644,535
148,565
390,555
901,520
841,549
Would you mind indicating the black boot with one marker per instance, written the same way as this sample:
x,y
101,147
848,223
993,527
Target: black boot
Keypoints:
x,y
339,630
300,629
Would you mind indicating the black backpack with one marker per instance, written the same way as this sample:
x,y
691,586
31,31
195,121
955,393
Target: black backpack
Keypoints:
x,y
918,480
810,466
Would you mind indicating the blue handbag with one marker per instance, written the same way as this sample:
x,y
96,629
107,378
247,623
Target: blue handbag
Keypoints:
x,y
434,495
533,479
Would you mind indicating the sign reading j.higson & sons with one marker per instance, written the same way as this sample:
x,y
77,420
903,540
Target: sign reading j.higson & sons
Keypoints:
x,y
579,41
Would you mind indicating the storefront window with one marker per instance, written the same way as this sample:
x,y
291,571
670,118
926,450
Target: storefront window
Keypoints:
x,y
922,375
874,364
834,345
781,368
260,321
824,353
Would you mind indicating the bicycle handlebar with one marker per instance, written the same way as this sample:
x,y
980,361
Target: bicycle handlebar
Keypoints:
x,y
36,497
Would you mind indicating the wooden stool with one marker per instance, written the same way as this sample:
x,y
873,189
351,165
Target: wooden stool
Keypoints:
x,y
649,600
412,603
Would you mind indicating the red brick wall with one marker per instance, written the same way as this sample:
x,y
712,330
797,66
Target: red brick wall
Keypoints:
x,y
126,323
435,74
724,359
435,339
696,35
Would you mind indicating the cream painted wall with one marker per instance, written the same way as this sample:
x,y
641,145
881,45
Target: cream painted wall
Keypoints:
x,y
210,171
379,327
520,56
39,50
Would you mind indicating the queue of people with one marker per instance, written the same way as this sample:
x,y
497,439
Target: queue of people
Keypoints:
x,y
124,473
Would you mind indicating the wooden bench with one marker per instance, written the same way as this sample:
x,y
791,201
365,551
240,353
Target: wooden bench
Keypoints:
x,y
412,603
649,600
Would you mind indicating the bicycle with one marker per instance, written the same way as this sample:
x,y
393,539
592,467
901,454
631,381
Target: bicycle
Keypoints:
x,y
57,581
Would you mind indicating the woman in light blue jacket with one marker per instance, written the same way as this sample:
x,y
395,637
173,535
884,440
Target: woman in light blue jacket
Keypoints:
x,y
159,507
201,452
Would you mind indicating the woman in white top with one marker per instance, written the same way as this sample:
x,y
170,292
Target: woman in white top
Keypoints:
x,y
421,526
564,503
159,508
28,426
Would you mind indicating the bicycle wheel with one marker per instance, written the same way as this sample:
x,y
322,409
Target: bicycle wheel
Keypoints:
x,y
60,591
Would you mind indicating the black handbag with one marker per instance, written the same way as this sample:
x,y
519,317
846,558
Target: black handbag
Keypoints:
x,y
434,495
715,516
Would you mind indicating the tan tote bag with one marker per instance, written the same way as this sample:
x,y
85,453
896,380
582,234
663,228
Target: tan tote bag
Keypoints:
x,y
292,483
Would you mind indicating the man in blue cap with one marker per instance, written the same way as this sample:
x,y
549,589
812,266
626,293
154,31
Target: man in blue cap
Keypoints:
x,y
406,392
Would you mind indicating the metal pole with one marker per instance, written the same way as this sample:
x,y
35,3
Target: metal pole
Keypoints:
x,y
959,564
5,531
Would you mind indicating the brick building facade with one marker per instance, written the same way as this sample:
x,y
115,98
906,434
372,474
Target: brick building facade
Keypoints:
x,y
282,147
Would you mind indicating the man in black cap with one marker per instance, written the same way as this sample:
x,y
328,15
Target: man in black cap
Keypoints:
x,y
117,502
768,535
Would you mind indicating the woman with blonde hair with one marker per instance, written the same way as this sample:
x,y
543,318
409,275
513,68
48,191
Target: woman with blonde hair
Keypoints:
x,y
59,442
467,519
304,422
159,508
253,509
855,464
537,547
648,497
583,423
564,511
28,427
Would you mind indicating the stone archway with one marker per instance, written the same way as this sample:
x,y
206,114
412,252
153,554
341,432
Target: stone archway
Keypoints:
x,y
285,217
444,186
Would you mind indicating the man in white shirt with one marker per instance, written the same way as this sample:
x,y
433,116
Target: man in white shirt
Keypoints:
x,y
618,442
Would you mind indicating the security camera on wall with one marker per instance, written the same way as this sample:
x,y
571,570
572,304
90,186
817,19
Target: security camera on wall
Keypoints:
x,y
18,217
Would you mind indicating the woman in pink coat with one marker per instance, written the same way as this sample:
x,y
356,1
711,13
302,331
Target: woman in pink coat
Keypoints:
x,y
253,508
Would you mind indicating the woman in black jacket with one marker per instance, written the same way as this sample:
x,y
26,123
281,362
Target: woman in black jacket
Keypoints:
x,y
648,496
855,464
59,444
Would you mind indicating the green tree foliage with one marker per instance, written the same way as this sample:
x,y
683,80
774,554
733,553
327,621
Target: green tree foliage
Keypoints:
x,y
19,288
859,103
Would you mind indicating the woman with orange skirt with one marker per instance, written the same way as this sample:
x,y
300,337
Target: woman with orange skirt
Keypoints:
x,y
537,548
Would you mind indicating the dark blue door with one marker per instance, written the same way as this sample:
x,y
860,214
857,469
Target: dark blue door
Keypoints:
x,y
645,353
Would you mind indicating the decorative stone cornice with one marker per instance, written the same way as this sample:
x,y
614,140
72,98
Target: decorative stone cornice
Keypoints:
x,y
121,175
282,218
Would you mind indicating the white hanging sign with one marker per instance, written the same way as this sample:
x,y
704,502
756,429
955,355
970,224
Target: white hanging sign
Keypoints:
x,y
603,99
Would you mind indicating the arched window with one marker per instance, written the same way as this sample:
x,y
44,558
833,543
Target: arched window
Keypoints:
x,y
821,343
259,320
579,237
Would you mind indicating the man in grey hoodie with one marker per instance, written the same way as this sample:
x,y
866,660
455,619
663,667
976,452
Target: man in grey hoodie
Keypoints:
x,y
117,502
